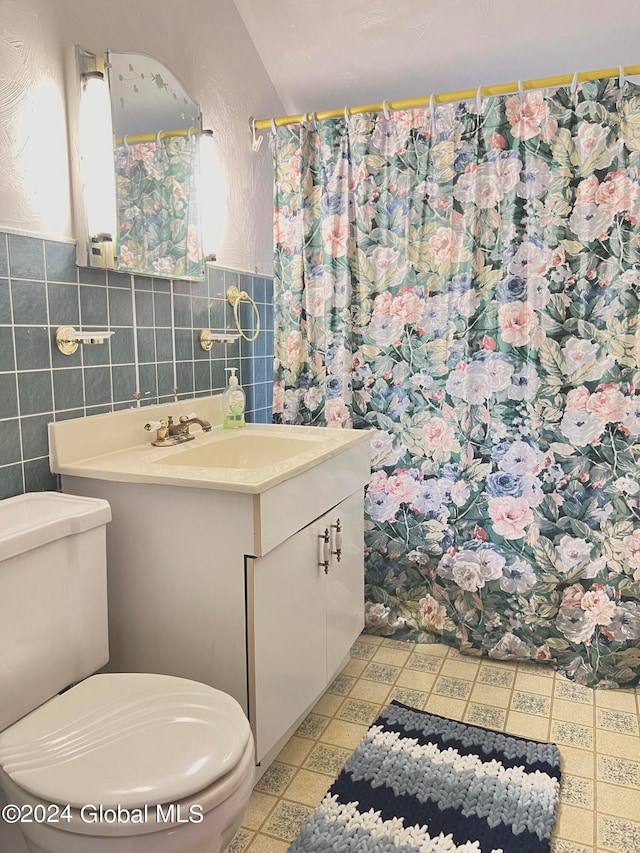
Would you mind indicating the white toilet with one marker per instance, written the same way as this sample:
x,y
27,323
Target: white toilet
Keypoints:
x,y
120,762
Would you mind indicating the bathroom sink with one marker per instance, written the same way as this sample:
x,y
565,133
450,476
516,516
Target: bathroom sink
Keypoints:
x,y
240,450
116,447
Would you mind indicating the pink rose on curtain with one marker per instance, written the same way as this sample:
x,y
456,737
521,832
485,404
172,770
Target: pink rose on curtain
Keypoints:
x,y
526,115
294,346
335,236
432,613
445,244
598,605
510,516
438,435
517,320
408,306
383,303
336,413
632,546
608,404
403,487
577,399
614,193
278,397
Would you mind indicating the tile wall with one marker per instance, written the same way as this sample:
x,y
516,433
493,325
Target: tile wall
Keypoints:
x,y
156,322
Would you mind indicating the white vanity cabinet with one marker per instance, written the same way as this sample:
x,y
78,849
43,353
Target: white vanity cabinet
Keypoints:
x,y
300,637
225,587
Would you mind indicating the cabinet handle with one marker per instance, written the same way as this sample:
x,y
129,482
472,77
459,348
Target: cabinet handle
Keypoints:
x,y
326,550
338,551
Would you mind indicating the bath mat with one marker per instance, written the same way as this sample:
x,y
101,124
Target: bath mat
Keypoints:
x,y
419,783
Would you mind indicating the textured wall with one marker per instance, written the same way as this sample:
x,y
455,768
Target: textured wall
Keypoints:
x,y
362,51
206,46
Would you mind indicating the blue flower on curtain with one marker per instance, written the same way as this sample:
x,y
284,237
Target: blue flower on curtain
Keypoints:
x,y
467,290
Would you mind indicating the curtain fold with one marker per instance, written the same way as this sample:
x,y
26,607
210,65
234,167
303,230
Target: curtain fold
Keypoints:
x,y
465,285
157,208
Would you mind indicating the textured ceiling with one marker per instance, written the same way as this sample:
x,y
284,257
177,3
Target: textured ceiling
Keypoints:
x,y
324,54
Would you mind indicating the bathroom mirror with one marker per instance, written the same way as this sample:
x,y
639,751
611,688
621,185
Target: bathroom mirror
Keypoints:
x,y
157,126
135,139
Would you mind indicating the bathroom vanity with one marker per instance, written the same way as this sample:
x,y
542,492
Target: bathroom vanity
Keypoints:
x,y
248,577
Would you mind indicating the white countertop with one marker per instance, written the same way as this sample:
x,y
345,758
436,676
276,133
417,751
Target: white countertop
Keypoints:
x,y
116,447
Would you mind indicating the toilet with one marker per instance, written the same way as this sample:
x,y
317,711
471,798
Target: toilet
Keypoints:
x,y
118,762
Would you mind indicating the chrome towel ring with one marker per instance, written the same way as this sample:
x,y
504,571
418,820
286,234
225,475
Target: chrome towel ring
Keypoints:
x,y
234,298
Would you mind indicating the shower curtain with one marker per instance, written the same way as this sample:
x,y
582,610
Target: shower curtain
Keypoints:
x,y
157,208
464,283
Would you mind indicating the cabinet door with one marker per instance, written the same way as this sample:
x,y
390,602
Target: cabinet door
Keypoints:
x,y
345,582
286,598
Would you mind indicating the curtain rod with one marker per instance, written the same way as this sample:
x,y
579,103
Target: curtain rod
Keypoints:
x,y
445,97
163,134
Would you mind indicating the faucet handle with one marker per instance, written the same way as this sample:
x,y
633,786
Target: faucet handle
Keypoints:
x,y
161,429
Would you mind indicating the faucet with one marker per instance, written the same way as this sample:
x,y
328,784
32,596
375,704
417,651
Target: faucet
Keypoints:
x,y
184,422
168,433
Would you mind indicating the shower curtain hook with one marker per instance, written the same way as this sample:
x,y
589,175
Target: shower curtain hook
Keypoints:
x,y
521,90
125,142
274,128
347,117
574,84
432,111
479,99
158,138
621,76
256,141
314,121
385,111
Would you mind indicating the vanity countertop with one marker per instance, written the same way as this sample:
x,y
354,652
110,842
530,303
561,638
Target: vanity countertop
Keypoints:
x,y
115,447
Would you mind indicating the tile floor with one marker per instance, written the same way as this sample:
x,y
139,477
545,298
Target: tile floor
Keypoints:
x,y
596,730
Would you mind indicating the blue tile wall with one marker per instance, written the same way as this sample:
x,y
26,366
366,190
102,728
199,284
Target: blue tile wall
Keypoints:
x,y
154,320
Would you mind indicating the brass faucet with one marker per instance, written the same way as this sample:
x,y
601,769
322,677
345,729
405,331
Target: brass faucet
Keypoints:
x,y
181,429
169,434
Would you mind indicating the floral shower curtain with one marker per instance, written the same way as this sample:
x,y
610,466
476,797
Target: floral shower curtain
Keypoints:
x,y
157,208
466,286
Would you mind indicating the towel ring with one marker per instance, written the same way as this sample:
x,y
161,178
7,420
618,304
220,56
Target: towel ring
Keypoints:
x,y
234,298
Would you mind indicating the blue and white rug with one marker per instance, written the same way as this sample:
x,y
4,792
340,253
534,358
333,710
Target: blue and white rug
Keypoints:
x,y
419,783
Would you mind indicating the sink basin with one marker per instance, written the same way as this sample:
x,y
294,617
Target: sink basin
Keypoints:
x,y
253,460
240,450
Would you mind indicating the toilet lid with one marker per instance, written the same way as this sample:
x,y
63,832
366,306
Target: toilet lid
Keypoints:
x,y
126,739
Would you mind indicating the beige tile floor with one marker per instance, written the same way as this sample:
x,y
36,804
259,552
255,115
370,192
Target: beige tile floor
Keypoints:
x,y
596,730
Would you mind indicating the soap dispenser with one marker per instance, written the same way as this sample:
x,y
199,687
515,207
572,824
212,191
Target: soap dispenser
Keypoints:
x,y
233,403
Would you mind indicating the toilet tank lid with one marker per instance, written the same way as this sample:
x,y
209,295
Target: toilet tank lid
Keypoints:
x,y
37,518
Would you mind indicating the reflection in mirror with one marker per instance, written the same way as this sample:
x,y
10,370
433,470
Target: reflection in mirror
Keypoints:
x,y
154,131
157,127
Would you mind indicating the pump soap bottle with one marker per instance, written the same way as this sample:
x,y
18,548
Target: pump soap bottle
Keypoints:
x,y
233,403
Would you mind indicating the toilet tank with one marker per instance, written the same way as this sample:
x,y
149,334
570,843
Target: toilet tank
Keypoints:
x,y
53,597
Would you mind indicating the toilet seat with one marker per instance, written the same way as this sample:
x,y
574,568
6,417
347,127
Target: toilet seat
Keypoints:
x,y
238,782
127,739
